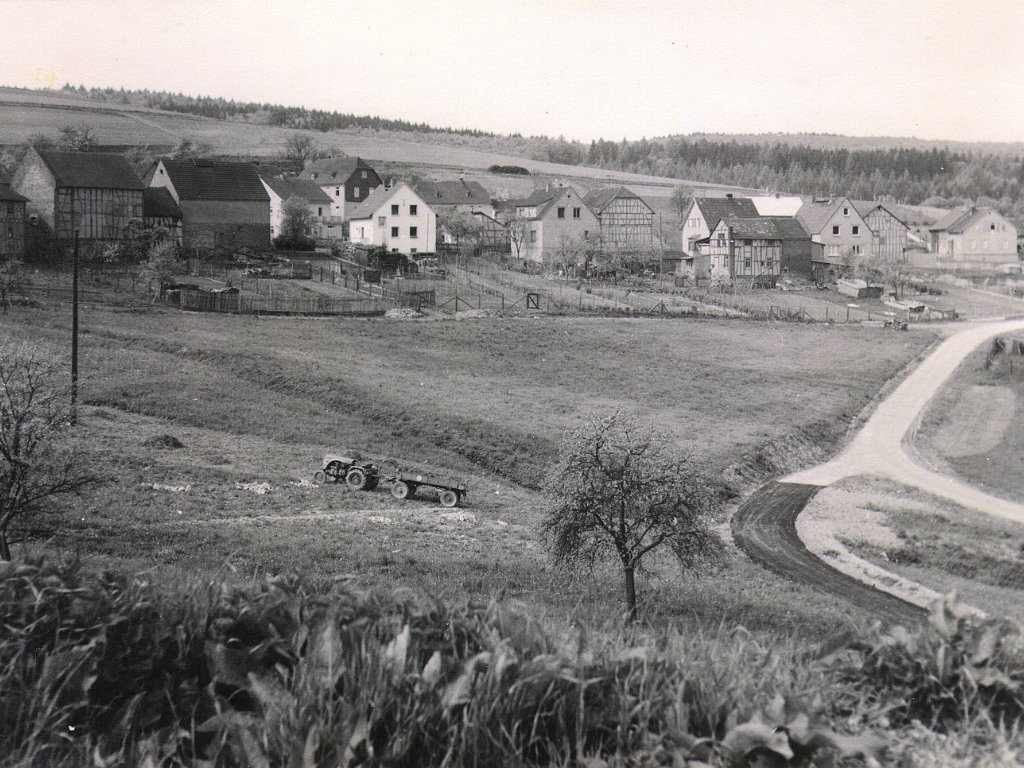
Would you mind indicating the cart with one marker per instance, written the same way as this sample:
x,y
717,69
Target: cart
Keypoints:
x,y
449,492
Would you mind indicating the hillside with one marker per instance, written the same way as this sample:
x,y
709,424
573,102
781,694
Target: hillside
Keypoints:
x,y
840,141
24,113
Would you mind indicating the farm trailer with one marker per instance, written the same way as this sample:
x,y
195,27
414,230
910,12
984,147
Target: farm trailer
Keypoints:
x,y
365,476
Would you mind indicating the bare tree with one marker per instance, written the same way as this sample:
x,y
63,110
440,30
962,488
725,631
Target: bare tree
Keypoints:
x,y
621,490
299,150
185,149
76,138
518,227
681,197
37,460
295,222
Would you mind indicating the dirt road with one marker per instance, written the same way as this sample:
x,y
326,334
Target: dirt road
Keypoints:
x,y
765,528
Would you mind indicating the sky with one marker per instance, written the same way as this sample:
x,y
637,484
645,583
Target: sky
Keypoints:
x,y
585,69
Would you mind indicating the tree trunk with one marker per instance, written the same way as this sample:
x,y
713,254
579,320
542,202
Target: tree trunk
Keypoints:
x,y
5,548
631,612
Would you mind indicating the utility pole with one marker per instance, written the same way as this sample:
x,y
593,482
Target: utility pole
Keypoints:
x,y
74,334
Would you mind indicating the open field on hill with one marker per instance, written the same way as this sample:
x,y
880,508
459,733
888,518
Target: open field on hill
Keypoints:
x,y
259,401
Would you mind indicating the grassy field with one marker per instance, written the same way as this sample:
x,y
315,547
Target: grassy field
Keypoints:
x,y
255,404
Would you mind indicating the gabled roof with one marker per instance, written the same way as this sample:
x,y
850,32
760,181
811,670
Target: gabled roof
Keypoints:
x,y
959,219
714,209
459,192
599,199
373,201
309,191
543,199
333,170
816,214
94,170
8,195
790,228
866,208
760,228
158,203
216,180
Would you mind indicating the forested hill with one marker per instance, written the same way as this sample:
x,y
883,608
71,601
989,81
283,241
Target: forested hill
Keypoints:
x,y
905,170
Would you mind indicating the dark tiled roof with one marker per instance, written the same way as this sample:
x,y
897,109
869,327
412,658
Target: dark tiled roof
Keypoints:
x,y
756,228
958,220
157,203
599,199
536,198
95,170
309,191
216,180
866,208
815,214
459,192
715,209
8,195
373,202
333,170
790,228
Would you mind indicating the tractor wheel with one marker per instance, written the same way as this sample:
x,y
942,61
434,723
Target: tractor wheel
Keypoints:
x,y
356,479
320,477
448,498
401,490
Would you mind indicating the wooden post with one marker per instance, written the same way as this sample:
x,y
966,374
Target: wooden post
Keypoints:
x,y
74,335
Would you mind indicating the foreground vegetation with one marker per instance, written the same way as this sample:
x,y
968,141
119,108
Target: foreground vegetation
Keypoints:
x,y
115,671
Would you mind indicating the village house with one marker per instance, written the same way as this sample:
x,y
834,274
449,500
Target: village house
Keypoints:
x,y
159,211
838,233
626,222
348,181
96,193
12,224
223,204
461,196
749,250
703,216
395,218
548,220
889,235
974,238
322,224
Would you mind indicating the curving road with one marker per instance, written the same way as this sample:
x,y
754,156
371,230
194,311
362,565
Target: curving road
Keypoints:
x,y
765,526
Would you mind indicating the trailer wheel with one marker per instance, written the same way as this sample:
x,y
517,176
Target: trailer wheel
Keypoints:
x,y
320,477
448,498
401,490
356,479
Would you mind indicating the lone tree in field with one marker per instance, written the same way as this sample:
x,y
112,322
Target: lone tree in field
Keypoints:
x,y
622,490
37,462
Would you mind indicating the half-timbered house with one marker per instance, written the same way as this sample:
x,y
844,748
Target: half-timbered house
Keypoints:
x,y
626,221
96,193
889,235
750,249
704,213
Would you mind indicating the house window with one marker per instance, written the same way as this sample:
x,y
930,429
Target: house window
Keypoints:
x,y
856,230
575,213
992,227
337,192
362,231
412,210
394,231
394,210
835,229
846,211
414,232
746,262
832,250
855,249
355,193
382,221
362,174
561,212
533,235
747,242
319,211
769,261
412,250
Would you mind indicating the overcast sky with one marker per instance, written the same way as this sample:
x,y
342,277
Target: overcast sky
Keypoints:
x,y
935,69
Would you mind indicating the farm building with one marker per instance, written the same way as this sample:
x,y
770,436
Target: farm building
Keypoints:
x,y
974,238
12,223
96,193
450,196
626,221
749,249
322,225
549,221
704,214
348,181
889,235
395,218
796,246
160,211
223,204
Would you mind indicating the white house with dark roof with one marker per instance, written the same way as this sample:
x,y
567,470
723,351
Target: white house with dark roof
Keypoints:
x,y
546,218
317,202
974,238
704,213
395,218
462,196
348,181
837,231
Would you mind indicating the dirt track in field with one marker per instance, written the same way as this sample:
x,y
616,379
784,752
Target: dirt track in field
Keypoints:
x,y
765,528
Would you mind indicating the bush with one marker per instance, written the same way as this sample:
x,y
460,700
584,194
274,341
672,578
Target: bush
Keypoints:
x,y
294,243
511,170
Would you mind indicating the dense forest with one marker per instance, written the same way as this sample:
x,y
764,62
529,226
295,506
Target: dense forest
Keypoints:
x,y
935,175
